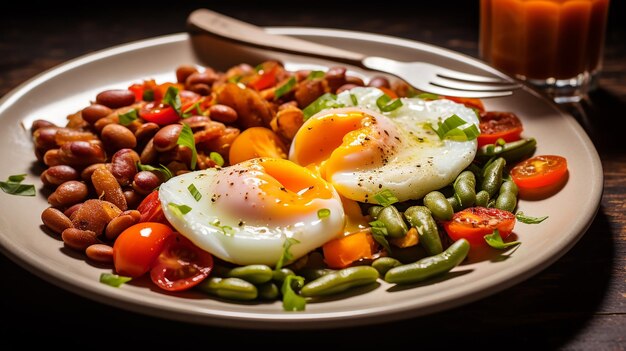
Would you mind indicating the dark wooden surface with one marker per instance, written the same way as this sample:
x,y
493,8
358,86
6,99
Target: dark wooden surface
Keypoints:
x,y
577,303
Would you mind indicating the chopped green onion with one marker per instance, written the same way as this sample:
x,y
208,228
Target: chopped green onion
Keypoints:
x,y
379,233
235,79
495,240
217,158
189,110
285,88
172,99
259,67
286,256
186,139
323,213
323,102
449,129
428,96
528,219
500,141
179,210
114,280
385,197
13,186
194,192
316,75
148,95
226,229
128,117
291,300
167,174
355,101
385,104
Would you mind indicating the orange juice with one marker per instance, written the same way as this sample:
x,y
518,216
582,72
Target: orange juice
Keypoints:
x,y
543,39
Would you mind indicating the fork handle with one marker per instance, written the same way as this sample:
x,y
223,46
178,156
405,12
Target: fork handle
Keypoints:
x,y
245,33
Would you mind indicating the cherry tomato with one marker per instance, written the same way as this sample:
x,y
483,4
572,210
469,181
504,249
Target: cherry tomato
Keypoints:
x,y
159,113
469,102
138,90
136,249
150,209
181,265
499,125
540,175
266,76
475,222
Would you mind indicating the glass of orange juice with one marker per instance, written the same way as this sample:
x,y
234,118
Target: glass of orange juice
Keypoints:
x,y
553,44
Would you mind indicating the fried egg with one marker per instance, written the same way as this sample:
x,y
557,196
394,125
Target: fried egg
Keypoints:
x,y
244,213
362,151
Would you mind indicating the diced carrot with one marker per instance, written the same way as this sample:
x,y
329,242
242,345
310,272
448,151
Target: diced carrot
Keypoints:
x,y
341,252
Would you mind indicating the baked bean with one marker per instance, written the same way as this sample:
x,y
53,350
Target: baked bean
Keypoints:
x,y
88,171
167,137
100,253
222,113
379,82
93,113
118,225
81,153
201,89
79,239
211,131
68,193
288,121
252,109
145,182
41,123
55,220
133,199
149,154
346,87
116,136
180,153
94,215
309,90
336,77
183,72
133,213
302,74
197,122
108,188
105,121
57,175
116,98
355,80
64,135
52,158
207,77
222,143
146,131
72,209
45,138
76,121
123,165
177,167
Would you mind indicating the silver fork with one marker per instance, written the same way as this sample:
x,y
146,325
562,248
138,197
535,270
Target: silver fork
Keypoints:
x,y
421,75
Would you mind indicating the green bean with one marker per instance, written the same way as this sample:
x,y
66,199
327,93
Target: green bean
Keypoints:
x,y
254,273
340,281
482,198
383,264
396,228
279,276
465,189
229,288
268,291
454,203
314,273
492,176
430,266
512,151
408,254
507,199
421,218
374,211
438,205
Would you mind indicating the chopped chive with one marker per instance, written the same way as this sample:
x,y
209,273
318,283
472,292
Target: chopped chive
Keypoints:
x,y
323,102
114,280
179,210
285,88
385,197
428,96
385,104
194,192
217,158
449,129
316,75
323,213
355,101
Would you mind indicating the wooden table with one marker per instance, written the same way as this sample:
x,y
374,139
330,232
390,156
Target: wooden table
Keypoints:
x,y
577,303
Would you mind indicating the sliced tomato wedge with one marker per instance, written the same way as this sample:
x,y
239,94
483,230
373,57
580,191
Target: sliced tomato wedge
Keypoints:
x,y
540,175
150,209
266,76
181,265
475,222
499,125
159,113
469,102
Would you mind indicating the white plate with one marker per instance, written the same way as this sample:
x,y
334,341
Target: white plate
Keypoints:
x,y
67,88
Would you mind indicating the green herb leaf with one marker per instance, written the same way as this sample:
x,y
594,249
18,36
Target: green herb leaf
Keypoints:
x,y
226,229
172,99
286,256
323,213
385,104
428,96
179,210
128,117
148,95
235,79
194,192
186,139
291,300
285,88
500,141
12,186
355,101
449,129
217,158
379,233
167,174
323,102
385,197
316,75
114,280
495,240
189,110
528,219
17,178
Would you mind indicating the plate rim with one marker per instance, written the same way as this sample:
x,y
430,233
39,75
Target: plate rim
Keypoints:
x,y
305,320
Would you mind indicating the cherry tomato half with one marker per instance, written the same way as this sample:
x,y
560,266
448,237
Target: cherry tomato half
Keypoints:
x,y
158,113
475,222
540,175
181,265
150,209
499,125
137,248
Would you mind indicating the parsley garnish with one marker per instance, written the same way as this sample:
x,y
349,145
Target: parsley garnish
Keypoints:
x,y
291,300
286,256
379,233
161,169
128,117
172,99
529,219
186,139
13,186
114,280
495,240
